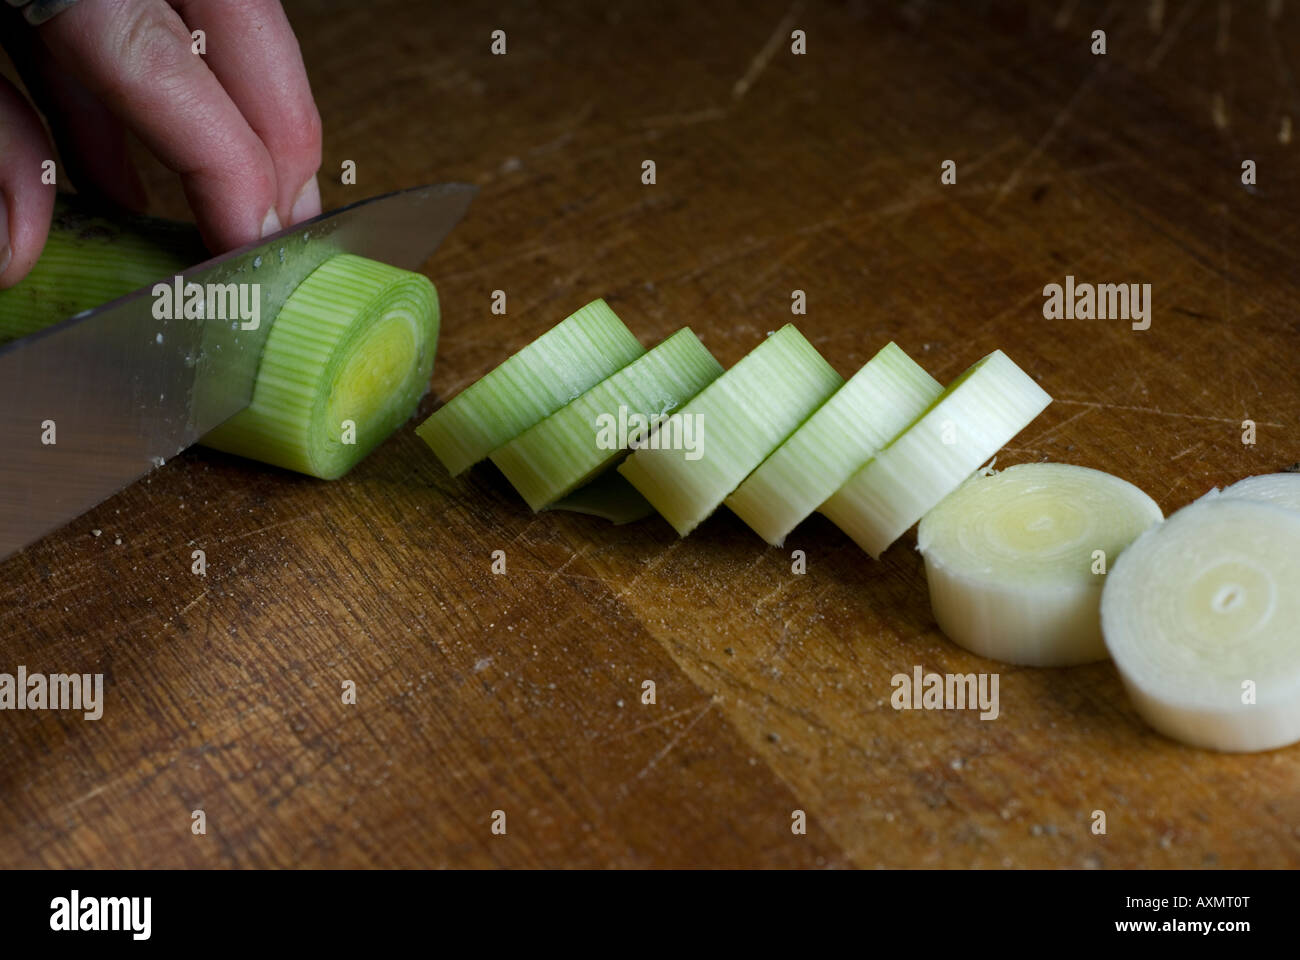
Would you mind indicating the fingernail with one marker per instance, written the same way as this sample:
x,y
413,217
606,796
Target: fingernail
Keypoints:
x,y
271,223
308,203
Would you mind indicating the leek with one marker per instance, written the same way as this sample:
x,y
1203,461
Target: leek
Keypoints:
x,y
553,370
877,403
1200,616
345,363
730,427
91,257
1016,560
554,457
979,412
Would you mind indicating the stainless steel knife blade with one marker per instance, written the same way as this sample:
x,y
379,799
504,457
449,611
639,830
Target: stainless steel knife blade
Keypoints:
x,y
119,392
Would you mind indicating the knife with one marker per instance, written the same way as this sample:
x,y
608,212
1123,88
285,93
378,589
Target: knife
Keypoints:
x,y
125,391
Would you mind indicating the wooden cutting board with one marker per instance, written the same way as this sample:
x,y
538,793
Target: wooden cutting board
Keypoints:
x,y
522,692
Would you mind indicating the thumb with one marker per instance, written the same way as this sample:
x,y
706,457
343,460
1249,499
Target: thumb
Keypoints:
x,y
25,203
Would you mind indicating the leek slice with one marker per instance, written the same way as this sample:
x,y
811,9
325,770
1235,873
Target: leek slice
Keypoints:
x,y
555,369
734,423
1282,489
1012,565
345,363
559,454
1200,615
877,404
979,412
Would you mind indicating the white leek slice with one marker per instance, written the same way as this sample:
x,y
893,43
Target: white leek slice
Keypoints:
x,y
345,364
554,457
876,404
1013,560
728,429
979,412
1282,489
556,368
1202,617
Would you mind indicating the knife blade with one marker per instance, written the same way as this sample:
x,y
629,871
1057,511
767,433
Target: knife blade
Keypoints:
x,y
119,391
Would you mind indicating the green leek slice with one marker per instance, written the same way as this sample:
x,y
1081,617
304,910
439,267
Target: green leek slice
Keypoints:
x,y
876,404
1013,565
979,412
1200,615
559,454
731,426
345,363
555,369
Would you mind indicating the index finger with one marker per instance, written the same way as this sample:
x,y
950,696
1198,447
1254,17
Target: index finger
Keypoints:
x,y
137,56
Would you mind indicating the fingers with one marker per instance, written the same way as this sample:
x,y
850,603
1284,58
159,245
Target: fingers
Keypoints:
x,y
253,52
136,56
25,203
91,141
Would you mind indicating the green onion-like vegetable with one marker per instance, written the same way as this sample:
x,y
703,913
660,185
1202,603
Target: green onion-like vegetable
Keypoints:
x,y
93,257
979,412
1200,615
876,404
344,364
726,431
571,446
556,368
1016,560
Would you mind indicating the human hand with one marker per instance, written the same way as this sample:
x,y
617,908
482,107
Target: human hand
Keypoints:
x,y
237,123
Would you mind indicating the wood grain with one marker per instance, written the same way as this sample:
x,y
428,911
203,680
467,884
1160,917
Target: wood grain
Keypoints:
x,y
521,692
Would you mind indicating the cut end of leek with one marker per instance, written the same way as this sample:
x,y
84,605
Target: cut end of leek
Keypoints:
x,y
734,423
979,413
1016,561
345,363
553,370
580,440
1200,615
876,404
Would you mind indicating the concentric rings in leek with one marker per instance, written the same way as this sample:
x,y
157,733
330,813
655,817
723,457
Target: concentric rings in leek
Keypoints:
x,y
1016,561
1202,617
345,363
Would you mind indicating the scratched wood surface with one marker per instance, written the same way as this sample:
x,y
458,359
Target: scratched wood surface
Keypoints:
x,y
521,692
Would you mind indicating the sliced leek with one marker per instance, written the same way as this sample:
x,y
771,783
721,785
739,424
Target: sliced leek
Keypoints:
x,y
734,423
876,404
345,363
1016,560
1282,489
1201,615
555,369
559,454
979,412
